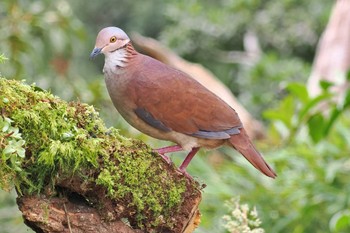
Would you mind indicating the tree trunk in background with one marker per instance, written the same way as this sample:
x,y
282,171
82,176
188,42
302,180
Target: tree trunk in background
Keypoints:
x,y
156,50
332,60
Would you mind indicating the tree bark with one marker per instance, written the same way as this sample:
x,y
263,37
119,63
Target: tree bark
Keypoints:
x,y
55,214
332,60
71,213
74,209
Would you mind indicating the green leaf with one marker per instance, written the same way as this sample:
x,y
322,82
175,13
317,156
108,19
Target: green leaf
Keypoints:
x,y
332,119
316,127
9,149
348,75
299,90
340,222
312,103
5,124
284,113
346,101
325,85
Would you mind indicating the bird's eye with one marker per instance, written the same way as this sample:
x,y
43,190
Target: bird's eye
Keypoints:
x,y
113,39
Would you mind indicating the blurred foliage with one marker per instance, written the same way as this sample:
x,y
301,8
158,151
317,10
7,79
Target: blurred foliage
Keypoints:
x,y
10,217
315,141
286,27
287,32
49,43
59,35
45,43
297,111
311,192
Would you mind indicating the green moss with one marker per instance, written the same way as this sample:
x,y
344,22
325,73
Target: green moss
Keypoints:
x,y
140,178
55,137
64,139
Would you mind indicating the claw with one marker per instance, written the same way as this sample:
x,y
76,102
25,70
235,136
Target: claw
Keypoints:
x,y
185,173
166,158
183,166
164,150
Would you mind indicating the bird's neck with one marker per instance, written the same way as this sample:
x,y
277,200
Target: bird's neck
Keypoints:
x,y
120,58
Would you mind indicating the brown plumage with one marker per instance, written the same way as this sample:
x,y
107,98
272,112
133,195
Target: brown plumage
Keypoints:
x,y
168,104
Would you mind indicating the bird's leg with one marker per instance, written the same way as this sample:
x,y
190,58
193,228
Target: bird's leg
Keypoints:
x,y
168,149
187,160
162,151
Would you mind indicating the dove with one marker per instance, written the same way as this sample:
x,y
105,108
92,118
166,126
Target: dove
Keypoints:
x,y
168,104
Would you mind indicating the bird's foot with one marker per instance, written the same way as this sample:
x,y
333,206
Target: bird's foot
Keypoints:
x,y
168,149
166,158
187,160
185,173
174,148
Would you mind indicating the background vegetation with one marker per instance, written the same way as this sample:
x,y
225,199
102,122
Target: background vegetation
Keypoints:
x,y
48,42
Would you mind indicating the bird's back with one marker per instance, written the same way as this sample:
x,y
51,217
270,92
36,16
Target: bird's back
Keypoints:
x,y
177,100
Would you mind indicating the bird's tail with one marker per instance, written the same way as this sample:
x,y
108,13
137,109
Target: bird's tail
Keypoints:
x,y
242,143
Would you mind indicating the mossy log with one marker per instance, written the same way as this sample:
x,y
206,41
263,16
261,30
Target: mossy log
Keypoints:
x,y
72,174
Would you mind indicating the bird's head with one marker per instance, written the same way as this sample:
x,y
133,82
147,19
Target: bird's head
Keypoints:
x,y
108,40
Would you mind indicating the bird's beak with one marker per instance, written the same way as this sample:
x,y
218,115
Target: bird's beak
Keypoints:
x,y
95,52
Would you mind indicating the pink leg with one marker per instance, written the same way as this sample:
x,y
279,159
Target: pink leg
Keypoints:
x,y
168,149
187,160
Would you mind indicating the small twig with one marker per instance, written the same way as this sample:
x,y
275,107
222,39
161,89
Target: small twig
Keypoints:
x,y
65,211
4,137
8,135
3,112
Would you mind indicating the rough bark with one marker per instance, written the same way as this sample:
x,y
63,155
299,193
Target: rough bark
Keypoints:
x,y
332,59
71,212
44,214
154,49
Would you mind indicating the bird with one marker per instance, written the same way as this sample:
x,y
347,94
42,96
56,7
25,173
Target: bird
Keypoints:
x,y
168,104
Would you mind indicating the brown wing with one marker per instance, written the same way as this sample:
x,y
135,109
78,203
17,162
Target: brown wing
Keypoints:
x,y
174,100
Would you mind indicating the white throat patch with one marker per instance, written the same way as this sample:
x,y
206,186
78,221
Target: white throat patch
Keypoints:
x,y
114,61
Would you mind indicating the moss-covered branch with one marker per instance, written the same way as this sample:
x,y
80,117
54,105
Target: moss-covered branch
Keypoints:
x,y
54,148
